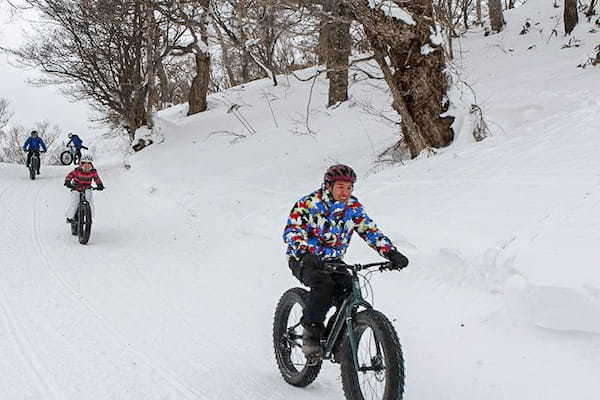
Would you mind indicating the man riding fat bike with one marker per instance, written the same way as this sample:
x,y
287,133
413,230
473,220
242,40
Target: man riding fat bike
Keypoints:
x,y
32,145
319,228
77,143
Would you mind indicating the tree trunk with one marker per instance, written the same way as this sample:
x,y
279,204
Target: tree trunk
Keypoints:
x,y
591,10
416,78
324,33
225,49
165,86
339,50
570,16
496,17
199,87
478,11
511,4
151,63
450,21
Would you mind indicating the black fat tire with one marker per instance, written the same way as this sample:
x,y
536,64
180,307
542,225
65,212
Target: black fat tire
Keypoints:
x,y
288,371
84,222
394,362
66,158
33,166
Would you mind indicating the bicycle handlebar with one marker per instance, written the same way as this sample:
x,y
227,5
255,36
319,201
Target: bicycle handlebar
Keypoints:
x,y
382,265
90,188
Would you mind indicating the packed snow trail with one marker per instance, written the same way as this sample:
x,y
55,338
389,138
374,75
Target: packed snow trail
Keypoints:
x,y
130,315
174,294
175,302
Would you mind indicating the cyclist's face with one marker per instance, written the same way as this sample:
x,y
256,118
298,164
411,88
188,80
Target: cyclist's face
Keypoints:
x,y
342,191
86,165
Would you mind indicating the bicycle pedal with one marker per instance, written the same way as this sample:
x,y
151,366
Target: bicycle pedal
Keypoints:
x,y
314,359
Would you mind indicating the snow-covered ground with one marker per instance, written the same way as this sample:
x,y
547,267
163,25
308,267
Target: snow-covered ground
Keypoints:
x,y
173,296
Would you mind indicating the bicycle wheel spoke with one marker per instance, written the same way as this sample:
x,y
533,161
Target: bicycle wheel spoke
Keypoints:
x,y
371,372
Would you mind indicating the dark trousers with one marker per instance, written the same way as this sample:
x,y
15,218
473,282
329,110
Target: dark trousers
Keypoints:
x,y
29,154
77,156
326,289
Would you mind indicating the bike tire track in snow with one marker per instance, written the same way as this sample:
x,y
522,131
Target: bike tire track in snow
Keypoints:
x,y
84,326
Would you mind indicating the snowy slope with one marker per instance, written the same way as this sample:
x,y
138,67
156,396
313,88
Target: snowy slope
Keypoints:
x,y
173,296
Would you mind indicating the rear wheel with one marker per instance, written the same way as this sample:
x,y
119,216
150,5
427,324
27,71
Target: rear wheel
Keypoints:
x,y
287,340
84,223
380,373
66,158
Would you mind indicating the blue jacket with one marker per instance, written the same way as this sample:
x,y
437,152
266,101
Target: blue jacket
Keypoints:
x,y
324,227
34,143
77,142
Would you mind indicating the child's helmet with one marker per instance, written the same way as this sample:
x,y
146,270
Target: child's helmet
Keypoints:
x,y
87,158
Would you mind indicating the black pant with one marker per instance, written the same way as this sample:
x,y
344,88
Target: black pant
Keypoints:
x,y
29,154
326,289
78,153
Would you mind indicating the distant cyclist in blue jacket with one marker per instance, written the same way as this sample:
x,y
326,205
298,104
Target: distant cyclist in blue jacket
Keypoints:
x,y
33,145
77,143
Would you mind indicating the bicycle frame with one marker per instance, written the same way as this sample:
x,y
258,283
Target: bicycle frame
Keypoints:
x,y
345,314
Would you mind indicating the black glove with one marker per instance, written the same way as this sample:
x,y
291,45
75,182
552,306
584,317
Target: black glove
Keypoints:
x,y
68,184
311,261
100,187
399,261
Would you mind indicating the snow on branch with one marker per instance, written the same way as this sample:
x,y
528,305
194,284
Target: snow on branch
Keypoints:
x,y
393,10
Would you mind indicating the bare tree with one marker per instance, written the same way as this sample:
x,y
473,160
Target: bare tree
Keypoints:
x,y
570,16
591,9
339,47
5,114
193,16
496,16
95,50
413,65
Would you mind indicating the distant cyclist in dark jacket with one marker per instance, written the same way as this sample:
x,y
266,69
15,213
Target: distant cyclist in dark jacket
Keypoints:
x,y
77,143
33,145
319,228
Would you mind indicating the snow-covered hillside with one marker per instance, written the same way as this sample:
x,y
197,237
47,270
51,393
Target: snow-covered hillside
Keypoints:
x,y
173,297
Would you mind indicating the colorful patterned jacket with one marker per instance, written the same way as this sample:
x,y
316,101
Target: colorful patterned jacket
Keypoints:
x,y
82,179
321,226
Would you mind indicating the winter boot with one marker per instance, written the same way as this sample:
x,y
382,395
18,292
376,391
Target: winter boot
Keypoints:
x,y
311,341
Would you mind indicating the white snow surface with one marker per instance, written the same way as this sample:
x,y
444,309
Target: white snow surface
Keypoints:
x,y
174,295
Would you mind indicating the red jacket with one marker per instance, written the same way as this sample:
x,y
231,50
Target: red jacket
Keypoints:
x,y
82,179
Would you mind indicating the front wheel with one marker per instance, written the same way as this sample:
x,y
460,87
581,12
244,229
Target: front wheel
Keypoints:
x,y
380,373
66,158
287,340
84,221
